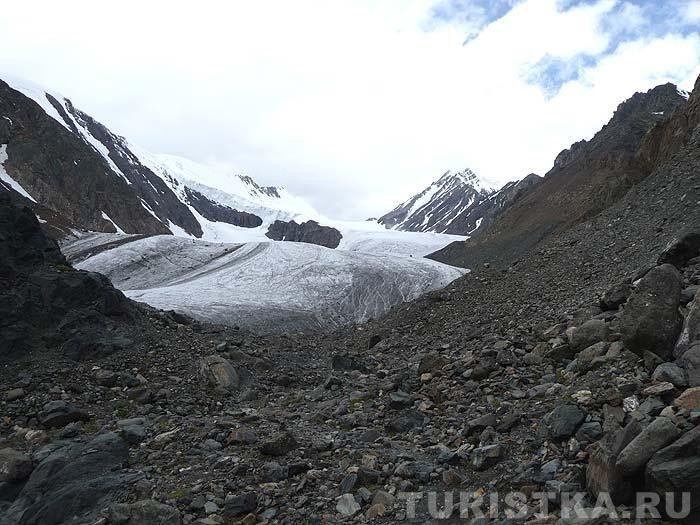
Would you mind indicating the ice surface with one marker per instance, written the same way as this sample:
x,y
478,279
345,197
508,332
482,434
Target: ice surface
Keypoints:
x,y
266,286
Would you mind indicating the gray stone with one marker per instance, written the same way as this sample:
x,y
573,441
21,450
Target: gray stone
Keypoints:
x,y
347,506
656,436
219,373
279,445
14,466
676,469
60,413
348,483
589,333
485,457
145,512
589,432
73,479
400,399
690,333
691,363
670,373
239,505
564,421
650,320
406,421
615,296
682,248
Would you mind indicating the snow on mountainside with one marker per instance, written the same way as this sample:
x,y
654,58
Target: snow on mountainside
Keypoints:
x,y
185,197
436,208
78,175
265,287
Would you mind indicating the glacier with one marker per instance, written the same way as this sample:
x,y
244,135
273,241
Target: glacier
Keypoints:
x,y
265,287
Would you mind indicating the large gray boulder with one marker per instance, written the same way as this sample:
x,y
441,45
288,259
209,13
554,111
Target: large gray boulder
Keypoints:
x,y
220,373
651,321
72,479
690,334
14,466
676,469
588,334
653,438
681,249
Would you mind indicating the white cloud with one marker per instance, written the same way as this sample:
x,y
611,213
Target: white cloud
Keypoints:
x,y
692,11
352,104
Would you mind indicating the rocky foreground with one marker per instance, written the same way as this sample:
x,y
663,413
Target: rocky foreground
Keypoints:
x,y
576,371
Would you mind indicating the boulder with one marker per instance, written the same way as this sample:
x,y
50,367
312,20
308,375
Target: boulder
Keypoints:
x,y
220,373
676,469
691,364
347,506
603,475
615,296
682,248
690,333
588,334
690,399
564,421
431,362
657,435
240,505
145,512
60,413
279,445
670,373
14,466
73,479
650,320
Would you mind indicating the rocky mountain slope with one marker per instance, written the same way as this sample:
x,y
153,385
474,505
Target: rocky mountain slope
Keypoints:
x,y
76,174
574,372
586,178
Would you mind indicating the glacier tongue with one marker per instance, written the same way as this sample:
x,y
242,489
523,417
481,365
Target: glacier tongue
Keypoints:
x,y
265,287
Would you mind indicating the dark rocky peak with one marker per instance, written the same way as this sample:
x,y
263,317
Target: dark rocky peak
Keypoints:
x,y
216,212
270,191
310,232
65,174
588,178
438,206
618,140
159,198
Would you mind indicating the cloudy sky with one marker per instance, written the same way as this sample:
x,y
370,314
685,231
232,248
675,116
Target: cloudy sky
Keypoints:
x,y
354,105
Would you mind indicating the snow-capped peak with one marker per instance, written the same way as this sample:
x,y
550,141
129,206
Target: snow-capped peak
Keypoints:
x,y
436,206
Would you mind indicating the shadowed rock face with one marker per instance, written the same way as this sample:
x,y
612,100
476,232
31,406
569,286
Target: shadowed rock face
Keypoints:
x,y
46,303
310,232
74,181
585,179
217,212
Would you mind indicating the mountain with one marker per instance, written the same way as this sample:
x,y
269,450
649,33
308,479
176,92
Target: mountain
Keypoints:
x,y
576,372
585,179
440,207
76,174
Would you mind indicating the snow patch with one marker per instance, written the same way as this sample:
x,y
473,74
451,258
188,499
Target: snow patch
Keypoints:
x,y
119,230
38,95
9,181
